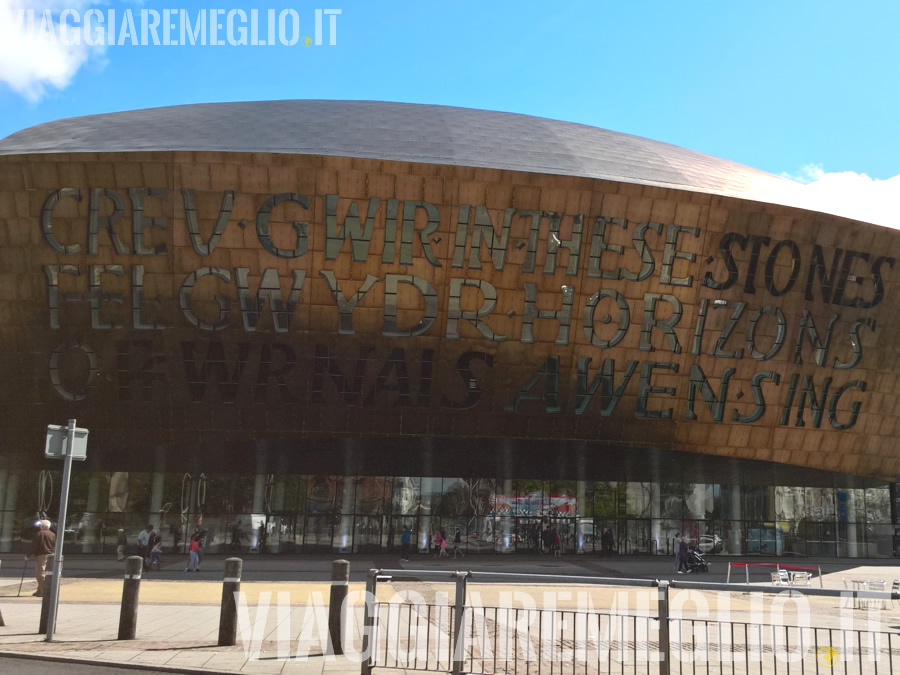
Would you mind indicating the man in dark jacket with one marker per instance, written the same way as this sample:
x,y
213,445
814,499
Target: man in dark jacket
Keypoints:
x,y
43,544
683,556
606,541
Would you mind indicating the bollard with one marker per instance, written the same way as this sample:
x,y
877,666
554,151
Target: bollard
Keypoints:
x,y
45,601
340,578
231,584
131,587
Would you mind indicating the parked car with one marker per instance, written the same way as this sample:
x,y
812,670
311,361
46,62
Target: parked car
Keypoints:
x,y
710,543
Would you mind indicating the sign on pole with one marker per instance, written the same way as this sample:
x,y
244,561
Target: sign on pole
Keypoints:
x,y
57,443
68,443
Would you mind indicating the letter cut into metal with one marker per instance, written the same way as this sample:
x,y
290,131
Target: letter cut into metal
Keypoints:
x,y
224,302
563,316
201,247
604,381
139,221
346,305
665,325
549,373
716,404
269,290
359,233
301,228
455,314
391,282
623,324
47,220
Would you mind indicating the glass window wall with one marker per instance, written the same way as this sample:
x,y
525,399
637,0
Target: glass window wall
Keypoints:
x,y
356,514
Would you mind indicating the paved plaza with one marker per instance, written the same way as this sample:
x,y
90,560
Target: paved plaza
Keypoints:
x,y
178,616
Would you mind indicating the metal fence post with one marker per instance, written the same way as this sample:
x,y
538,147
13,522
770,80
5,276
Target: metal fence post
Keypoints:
x,y
231,584
340,580
131,588
459,642
662,611
368,638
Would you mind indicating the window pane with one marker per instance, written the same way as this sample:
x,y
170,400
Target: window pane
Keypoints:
x,y
637,500
699,501
758,502
405,495
129,492
671,500
878,505
820,504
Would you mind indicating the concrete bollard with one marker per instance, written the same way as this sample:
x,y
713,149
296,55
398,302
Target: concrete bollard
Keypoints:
x,y
340,578
45,601
131,587
231,584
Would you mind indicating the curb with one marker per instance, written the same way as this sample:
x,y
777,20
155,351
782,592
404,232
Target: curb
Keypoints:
x,y
120,664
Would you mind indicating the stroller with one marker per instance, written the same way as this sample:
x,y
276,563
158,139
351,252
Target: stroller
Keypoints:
x,y
695,561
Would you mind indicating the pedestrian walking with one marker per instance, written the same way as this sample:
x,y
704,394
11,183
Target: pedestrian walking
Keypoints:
x,y
201,539
683,556
121,543
457,544
438,540
677,546
43,544
143,544
556,543
606,542
404,544
236,536
194,559
155,552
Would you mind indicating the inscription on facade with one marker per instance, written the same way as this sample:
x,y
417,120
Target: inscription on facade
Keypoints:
x,y
391,230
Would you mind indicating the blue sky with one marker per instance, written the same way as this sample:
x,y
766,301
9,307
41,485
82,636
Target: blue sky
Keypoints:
x,y
798,88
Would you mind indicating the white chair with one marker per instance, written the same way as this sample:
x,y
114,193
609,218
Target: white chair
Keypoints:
x,y
895,588
801,579
876,585
778,580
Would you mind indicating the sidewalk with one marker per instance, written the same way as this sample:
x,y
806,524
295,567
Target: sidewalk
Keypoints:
x,y
170,635
178,619
317,567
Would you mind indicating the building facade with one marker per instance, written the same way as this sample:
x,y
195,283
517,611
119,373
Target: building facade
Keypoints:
x,y
306,325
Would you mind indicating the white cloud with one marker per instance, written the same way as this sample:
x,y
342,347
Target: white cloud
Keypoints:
x,y
850,194
33,59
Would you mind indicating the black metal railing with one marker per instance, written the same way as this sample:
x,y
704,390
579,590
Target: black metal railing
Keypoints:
x,y
703,646
465,637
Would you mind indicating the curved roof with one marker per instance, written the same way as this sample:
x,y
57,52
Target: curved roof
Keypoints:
x,y
405,132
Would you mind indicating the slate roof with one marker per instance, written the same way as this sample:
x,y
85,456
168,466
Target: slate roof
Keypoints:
x,y
405,132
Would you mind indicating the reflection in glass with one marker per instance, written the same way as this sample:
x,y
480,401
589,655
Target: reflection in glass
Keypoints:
x,y
637,500
878,505
279,513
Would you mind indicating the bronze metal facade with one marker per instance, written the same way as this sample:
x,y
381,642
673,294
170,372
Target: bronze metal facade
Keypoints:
x,y
440,319
204,301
